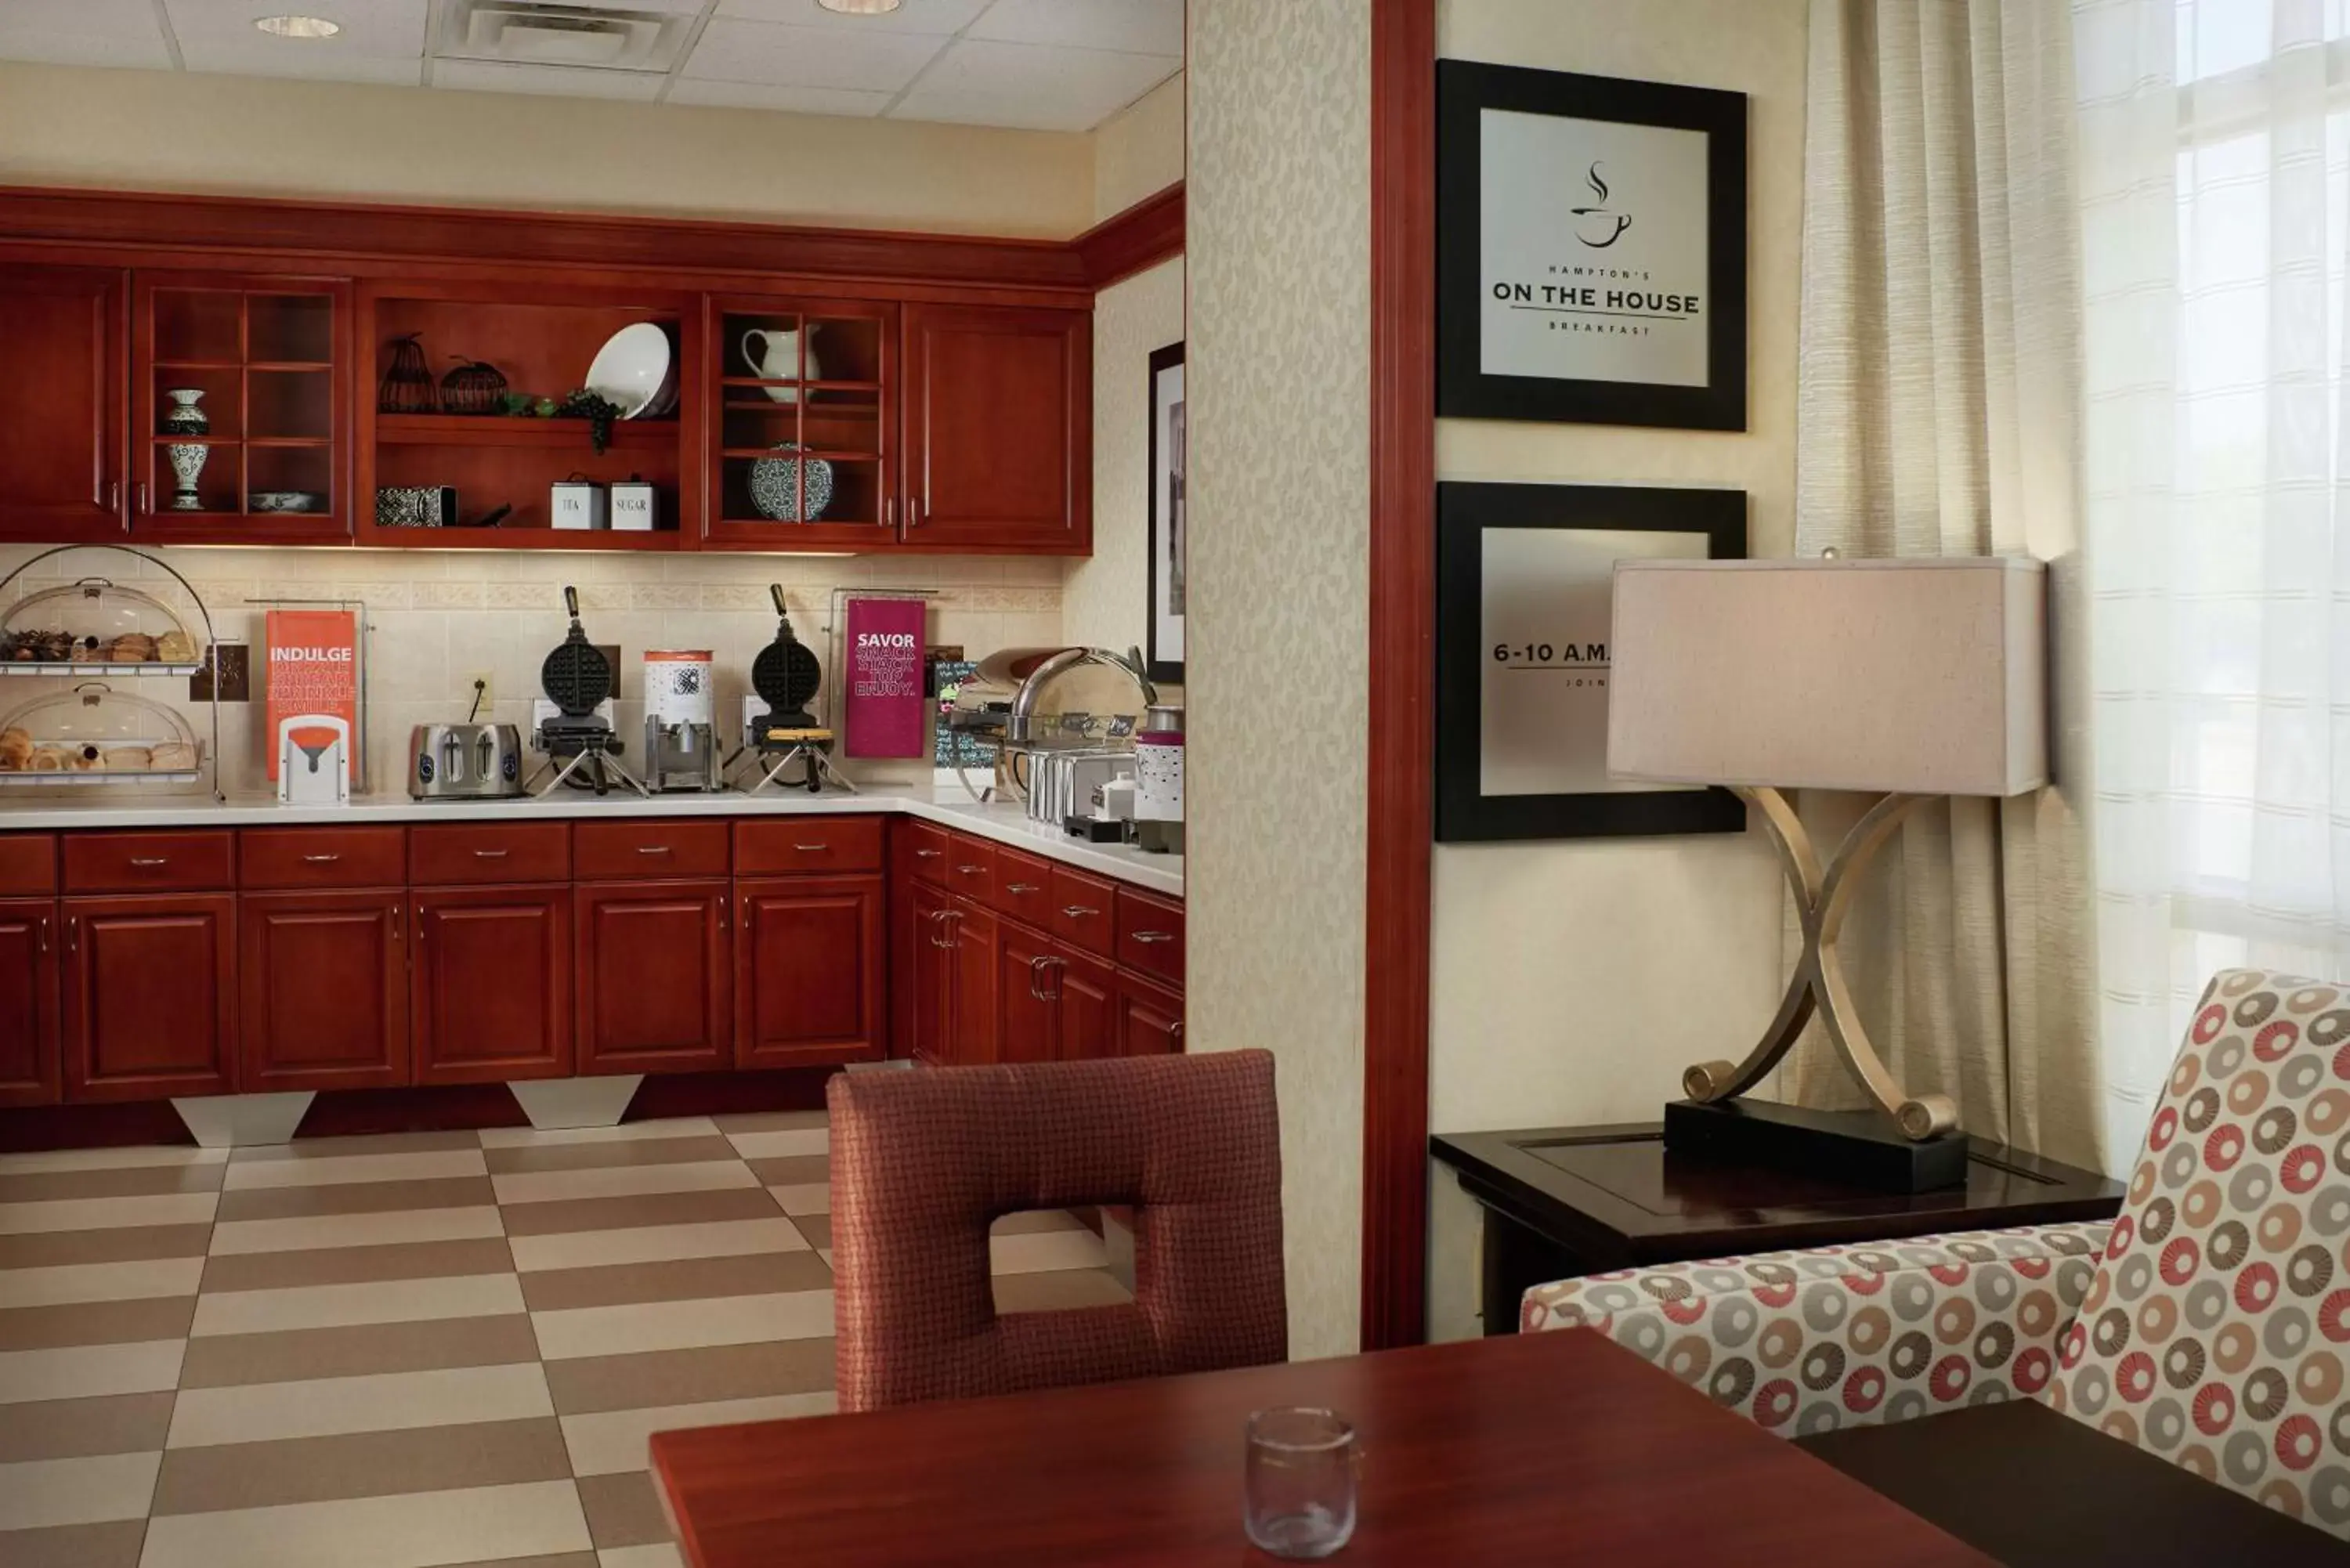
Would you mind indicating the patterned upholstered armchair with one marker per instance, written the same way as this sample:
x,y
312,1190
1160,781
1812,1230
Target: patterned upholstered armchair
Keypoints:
x,y
2210,1324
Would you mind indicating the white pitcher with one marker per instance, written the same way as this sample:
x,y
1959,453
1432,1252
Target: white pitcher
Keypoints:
x,y
776,357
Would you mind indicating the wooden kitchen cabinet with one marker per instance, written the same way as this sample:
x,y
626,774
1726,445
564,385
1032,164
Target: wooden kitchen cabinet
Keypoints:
x,y
1085,1007
29,1035
61,403
972,937
150,995
810,956
1149,1018
490,983
998,414
323,985
655,976
1026,1021
922,970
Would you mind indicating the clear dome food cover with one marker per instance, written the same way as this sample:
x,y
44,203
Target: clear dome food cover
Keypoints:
x,y
95,621
95,734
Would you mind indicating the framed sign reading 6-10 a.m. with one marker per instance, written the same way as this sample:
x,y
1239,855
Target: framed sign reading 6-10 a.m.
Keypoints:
x,y
1591,249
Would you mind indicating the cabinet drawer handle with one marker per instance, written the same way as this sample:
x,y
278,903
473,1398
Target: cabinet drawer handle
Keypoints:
x,y
146,860
45,933
972,870
489,854
929,853
395,922
1149,937
73,934
811,848
653,848
1079,911
320,859
944,936
1019,887
139,490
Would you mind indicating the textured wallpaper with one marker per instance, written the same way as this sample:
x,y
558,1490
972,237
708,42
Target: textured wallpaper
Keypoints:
x,y
1278,381
1105,602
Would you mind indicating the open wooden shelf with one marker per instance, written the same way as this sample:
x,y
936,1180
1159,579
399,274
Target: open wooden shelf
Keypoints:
x,y
812,454
514,430
809,386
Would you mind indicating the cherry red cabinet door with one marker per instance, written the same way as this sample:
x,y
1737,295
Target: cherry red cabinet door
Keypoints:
x,y
1149,1017
30,1073
655,974
490,983
62,403
808,961
998,428
323,979
150,996
1084,1005
925,973
1027,1022
972,936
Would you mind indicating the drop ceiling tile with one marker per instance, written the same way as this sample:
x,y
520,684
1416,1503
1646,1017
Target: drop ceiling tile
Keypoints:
x,y
262,58
82,33
1134,27
1034,86
788,100
387,29
777,55
677,8
937,18
569,81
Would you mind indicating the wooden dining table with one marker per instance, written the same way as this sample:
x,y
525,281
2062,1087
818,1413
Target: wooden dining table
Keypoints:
x,y
1537,1450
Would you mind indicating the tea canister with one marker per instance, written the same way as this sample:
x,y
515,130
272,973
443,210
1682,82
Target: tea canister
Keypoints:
x,y
678,686
576,503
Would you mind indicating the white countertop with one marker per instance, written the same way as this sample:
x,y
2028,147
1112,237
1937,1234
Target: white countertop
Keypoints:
x,y
1005,823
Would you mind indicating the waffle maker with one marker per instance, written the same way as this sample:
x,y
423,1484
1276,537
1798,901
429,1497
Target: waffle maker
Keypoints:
x,y
580,746
785,676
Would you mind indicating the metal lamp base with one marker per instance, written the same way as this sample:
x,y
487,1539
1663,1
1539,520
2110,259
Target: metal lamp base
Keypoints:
x,y
1823,898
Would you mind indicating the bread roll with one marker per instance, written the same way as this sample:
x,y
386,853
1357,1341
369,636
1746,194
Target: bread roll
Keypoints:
x,y
172,756
175,647
15,748
129,759
46,760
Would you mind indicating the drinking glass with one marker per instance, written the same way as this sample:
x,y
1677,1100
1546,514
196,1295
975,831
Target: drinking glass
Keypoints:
x,y
1301,1481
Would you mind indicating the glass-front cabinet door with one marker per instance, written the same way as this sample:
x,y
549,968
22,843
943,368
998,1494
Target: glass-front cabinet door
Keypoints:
x,y
801,457
239,416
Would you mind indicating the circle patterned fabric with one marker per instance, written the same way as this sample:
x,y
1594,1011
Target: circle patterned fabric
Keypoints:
x,y
1849,1335
2215,1333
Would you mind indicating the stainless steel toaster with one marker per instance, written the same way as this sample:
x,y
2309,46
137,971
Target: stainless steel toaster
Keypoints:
x,y
464,761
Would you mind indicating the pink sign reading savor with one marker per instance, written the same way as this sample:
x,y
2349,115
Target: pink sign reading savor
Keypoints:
x,y
885,711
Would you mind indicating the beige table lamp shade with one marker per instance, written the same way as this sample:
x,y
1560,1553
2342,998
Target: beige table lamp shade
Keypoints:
x,y
1925,676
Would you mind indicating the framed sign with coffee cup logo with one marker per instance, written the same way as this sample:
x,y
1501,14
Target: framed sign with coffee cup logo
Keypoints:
x,y
1591,249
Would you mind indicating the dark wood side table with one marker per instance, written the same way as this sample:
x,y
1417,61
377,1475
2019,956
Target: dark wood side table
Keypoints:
x,y
1563,1201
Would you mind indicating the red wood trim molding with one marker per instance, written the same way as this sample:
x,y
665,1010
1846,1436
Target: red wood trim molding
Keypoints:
x,y
1139,238
1403,647
246,225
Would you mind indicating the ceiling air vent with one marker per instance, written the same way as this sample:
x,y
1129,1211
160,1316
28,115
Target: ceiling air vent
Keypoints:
x,y
523,33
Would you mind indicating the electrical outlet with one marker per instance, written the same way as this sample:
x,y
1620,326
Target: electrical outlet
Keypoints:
x,y
479,692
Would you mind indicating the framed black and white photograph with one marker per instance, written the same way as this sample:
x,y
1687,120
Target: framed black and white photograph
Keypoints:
x,y
1165,652
1591,249
1524,585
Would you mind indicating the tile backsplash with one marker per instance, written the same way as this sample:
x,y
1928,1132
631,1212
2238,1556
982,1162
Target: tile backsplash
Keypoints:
x,y
435,618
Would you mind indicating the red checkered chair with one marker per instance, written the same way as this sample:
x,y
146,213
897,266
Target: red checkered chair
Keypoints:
x,y
2210,1324
922,1162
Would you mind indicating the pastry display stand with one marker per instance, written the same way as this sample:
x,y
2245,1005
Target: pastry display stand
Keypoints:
x,y
97,672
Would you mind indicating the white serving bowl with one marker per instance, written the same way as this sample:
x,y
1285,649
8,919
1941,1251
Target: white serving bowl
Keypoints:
x,y
632,369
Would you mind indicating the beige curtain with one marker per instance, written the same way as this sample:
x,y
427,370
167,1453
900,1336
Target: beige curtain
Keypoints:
x,y
1938,415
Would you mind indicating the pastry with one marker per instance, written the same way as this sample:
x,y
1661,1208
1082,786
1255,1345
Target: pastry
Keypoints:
x,y
46,760
175,647
15,748
128,760
172,756
132,648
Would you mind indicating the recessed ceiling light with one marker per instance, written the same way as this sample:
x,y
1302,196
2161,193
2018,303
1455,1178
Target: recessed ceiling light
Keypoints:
x,y
861,7
297,26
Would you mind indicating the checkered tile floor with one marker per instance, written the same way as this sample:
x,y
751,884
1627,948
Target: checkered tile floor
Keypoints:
x,y
429,1348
